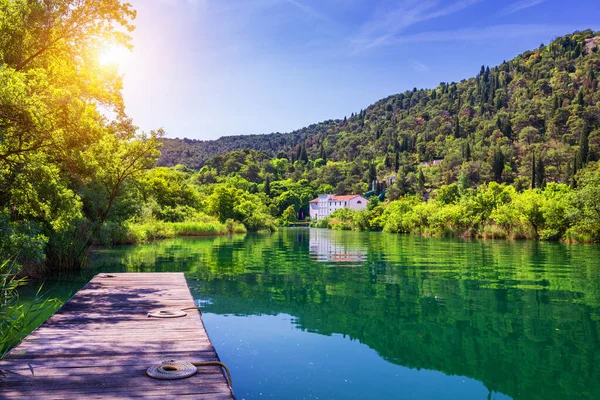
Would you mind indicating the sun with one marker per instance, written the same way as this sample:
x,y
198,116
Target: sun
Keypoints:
x,y
114,55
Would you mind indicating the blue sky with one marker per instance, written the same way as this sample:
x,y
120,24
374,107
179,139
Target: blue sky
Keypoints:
x,y
207,68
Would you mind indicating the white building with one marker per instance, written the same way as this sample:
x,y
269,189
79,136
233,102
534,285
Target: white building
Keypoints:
x,y
326,204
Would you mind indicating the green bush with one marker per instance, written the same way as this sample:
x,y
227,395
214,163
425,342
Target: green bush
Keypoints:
x,y
321,223
288,217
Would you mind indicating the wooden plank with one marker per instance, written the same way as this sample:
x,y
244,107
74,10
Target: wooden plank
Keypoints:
x,y
100,343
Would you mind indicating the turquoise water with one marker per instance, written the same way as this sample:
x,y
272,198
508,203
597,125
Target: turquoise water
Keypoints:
x,y
317,314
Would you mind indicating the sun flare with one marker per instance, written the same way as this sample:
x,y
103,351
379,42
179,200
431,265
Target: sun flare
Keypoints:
x,y
114,55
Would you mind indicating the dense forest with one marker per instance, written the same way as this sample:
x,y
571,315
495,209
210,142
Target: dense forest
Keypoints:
x,y
539,110
195,153
511,152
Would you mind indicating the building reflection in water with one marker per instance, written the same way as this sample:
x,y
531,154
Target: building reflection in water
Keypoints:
x,y
324,247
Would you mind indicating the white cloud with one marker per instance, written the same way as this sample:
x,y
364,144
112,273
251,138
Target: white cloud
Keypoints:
x,y
508,31
418,66
520,5
307,9
387,23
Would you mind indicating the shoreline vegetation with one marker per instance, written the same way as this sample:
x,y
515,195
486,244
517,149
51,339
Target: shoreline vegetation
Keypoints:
x,y
452,161
511,152
136,233
491,211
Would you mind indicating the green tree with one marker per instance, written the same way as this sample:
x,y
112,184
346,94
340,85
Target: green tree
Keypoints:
x,y
584,147
449,194
530,206
111,164
498,165
540,174
288,216
322,153
267,188
534,179
372,174
221,202
303,156
61,157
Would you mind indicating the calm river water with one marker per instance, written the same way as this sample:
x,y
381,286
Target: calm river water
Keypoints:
x,y
318,314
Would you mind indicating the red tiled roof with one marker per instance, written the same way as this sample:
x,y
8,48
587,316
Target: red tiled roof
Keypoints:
x,y
345,198
338,198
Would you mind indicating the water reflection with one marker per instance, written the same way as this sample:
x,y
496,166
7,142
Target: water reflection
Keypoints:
x,y
329,247
522,318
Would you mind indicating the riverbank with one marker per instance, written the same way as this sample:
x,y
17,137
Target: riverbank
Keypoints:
x,y
491,211
135,233
113,234
318,295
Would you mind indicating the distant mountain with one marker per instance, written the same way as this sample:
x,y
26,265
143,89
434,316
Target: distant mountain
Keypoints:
x,y
195,153
543,105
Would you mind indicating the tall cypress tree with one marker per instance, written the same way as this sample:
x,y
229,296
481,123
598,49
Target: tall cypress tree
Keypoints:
x,y
387,161
268,185
580,99
508,132
533,180
322,153
573,180
303,154
421,179
498,165
372,174
540,174
584,147
457,127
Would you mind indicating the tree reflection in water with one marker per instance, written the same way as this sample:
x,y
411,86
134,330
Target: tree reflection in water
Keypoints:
x,y
520,317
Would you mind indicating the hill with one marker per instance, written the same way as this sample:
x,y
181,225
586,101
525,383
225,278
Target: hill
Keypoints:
x,y
195,153
541,105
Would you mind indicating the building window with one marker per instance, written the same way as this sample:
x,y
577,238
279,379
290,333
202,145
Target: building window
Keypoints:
x,y
358,202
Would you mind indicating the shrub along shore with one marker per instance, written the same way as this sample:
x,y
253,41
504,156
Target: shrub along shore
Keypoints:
x,y
557,212
134,233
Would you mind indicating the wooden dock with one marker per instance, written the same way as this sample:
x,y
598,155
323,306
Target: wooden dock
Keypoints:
x,y
100,343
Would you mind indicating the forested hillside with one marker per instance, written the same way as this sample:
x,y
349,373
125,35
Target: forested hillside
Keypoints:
x,y
194,153
539,109
511,152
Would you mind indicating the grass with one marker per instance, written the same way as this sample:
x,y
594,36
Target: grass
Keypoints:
x,y
15,318
142,232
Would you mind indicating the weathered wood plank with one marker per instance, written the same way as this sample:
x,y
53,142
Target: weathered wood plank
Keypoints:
x,y
100,343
